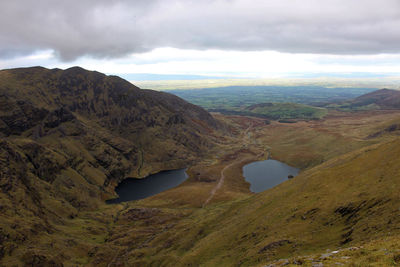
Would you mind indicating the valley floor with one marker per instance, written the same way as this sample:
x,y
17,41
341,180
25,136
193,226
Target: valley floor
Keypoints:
x,y
341,210
213,218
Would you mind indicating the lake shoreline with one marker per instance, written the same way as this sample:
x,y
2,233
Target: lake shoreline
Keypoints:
x,y
265,174
131,188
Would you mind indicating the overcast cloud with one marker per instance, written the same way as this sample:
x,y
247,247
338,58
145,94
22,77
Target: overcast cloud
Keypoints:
x,y
115,28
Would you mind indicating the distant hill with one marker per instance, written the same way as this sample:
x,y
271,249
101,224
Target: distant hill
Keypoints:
x,y
379,99
277,111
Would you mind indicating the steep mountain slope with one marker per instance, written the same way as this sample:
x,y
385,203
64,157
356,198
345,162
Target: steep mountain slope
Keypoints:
x,y
67,137
36,103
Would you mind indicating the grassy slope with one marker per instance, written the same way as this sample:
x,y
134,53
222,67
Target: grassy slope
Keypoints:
x,y
303,210
306,144
347,201
170,229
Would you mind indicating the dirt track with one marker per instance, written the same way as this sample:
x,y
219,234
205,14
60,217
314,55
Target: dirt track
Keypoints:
x,y
245,140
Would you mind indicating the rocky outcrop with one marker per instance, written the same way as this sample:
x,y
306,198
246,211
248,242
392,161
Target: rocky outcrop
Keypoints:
x,y
68,137
50,104
18,116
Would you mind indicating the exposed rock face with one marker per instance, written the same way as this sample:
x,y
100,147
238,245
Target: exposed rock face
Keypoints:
x,y
95,108
67,137
18,116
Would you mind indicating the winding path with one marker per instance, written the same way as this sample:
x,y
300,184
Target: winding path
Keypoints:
x,y
219,185
222,178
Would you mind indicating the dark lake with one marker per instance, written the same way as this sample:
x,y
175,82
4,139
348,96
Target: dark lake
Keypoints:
x,y
134,189
266,174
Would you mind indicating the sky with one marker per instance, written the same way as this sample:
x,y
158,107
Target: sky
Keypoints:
x,y
213,38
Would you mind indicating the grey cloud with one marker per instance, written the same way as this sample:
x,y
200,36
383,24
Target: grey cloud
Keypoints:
x,y
114,28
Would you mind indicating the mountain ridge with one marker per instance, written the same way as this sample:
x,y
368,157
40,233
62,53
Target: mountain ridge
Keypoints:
x,y
68,137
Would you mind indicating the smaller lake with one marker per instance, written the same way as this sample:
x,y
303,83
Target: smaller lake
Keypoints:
x,y
134,189
266,174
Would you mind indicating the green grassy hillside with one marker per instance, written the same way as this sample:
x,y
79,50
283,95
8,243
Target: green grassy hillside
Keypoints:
x,y
278,111
349,201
